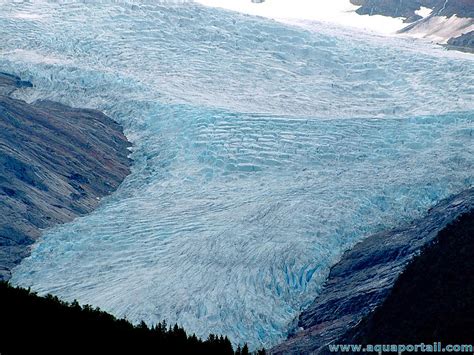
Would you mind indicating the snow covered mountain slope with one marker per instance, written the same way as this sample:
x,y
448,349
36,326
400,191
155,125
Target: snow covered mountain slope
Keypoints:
x,y
439,21
340,12
261,153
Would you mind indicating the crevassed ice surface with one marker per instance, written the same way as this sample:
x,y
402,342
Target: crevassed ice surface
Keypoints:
x,y
261,153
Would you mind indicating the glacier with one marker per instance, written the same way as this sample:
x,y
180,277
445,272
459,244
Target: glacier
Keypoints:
x,y
262,151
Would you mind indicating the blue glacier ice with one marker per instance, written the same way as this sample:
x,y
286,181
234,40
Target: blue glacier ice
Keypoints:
x,y
261,153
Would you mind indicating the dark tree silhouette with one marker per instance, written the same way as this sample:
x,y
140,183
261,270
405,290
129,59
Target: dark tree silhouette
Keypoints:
x,y
30,324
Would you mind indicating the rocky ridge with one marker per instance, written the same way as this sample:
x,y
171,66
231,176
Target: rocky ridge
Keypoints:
x,y
363,278
450,21
56,163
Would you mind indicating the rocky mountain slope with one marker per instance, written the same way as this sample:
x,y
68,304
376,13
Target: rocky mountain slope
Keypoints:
x,y
362,280
450,21
464,41
394,8
56,163
409,8
433,300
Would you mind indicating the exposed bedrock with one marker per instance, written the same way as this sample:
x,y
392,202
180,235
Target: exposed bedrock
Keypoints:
x,y
408,8
460,8
464,42
433,300
393,8
363,278
56,162
450,22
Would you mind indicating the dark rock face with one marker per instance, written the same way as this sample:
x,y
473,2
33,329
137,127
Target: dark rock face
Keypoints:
x,y
433,300
461,8
9,83
393,8
407,8
56,162
440,9
362,280
464,41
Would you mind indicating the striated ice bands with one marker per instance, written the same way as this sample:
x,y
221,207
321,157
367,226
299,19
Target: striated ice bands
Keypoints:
x,y
261,153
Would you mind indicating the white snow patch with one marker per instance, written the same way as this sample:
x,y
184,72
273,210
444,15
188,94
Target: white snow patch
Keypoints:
x,y
424,11
340,12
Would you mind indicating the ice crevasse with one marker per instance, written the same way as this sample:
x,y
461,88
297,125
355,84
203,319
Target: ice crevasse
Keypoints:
x,y
261,152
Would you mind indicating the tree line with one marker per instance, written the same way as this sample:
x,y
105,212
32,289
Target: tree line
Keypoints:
x,y
30,324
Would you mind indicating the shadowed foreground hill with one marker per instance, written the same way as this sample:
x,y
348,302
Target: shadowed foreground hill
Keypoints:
x,y
363,279
433,300
45,325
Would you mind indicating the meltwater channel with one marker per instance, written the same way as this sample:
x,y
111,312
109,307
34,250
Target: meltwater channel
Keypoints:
x,y
261,153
